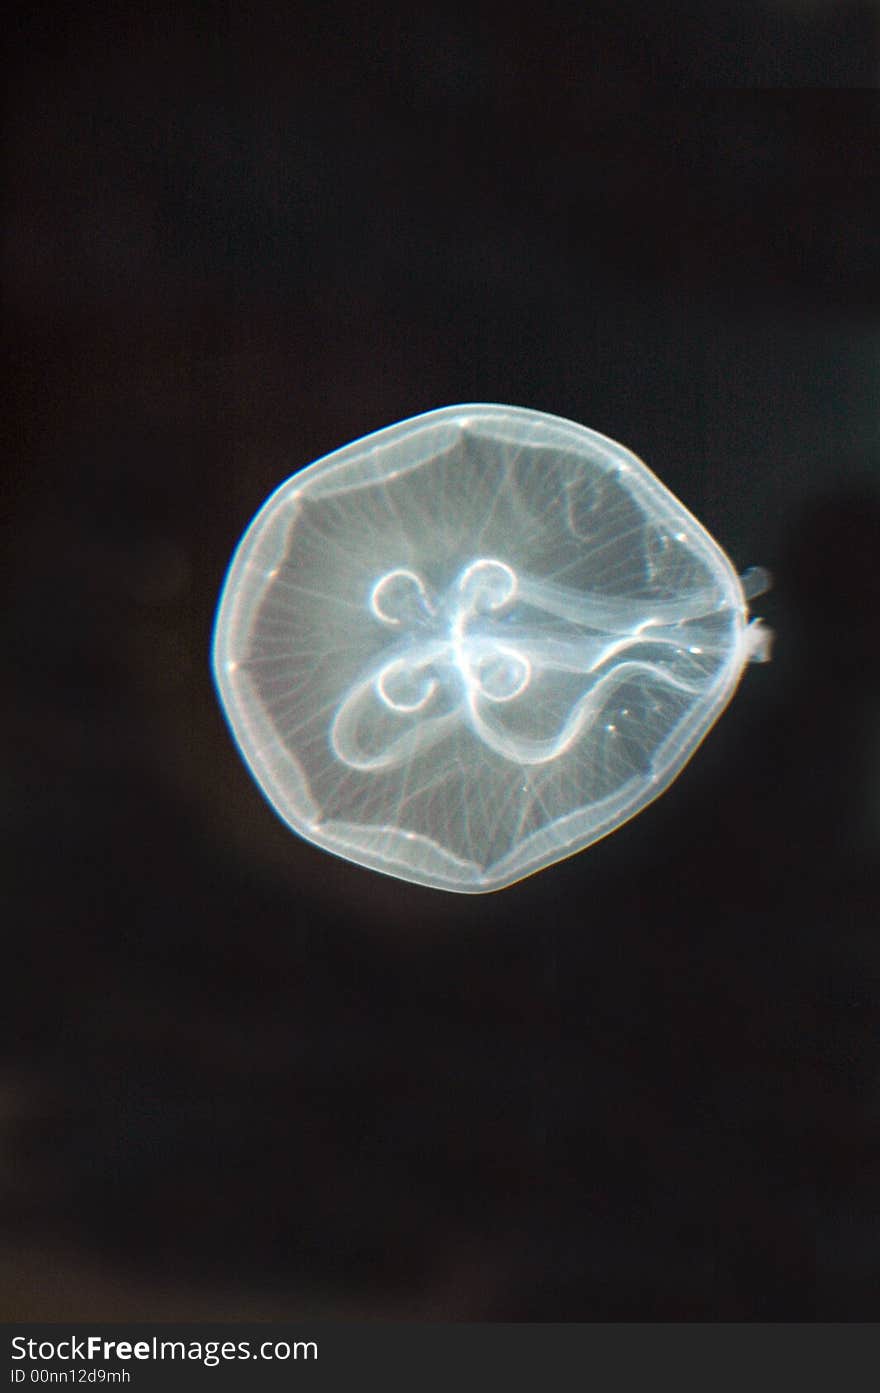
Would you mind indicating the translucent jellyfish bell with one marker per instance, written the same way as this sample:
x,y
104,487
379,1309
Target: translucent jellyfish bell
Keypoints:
x,y
471,644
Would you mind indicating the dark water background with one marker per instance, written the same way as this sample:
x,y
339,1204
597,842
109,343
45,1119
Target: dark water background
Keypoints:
x,y
241,1078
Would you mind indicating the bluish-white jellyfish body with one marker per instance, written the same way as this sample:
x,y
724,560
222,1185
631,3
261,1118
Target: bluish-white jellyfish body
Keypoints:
x,y
469,645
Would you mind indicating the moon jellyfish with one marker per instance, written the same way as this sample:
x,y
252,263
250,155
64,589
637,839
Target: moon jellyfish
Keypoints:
x,y
473,643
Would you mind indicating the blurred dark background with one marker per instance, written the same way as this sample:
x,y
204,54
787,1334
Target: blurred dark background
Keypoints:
x,y
240,1078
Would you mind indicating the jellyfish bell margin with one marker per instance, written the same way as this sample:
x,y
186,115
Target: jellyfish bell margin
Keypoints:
x,y
473,643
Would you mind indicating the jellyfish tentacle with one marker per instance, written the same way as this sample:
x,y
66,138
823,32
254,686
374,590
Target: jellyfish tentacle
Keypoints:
x,y
616,614
523,750
494,662
347,726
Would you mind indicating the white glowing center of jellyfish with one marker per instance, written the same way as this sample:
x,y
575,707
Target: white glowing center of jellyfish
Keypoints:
x,y
464,656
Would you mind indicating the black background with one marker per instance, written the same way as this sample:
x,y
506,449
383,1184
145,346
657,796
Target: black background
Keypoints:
x,y
240,1077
